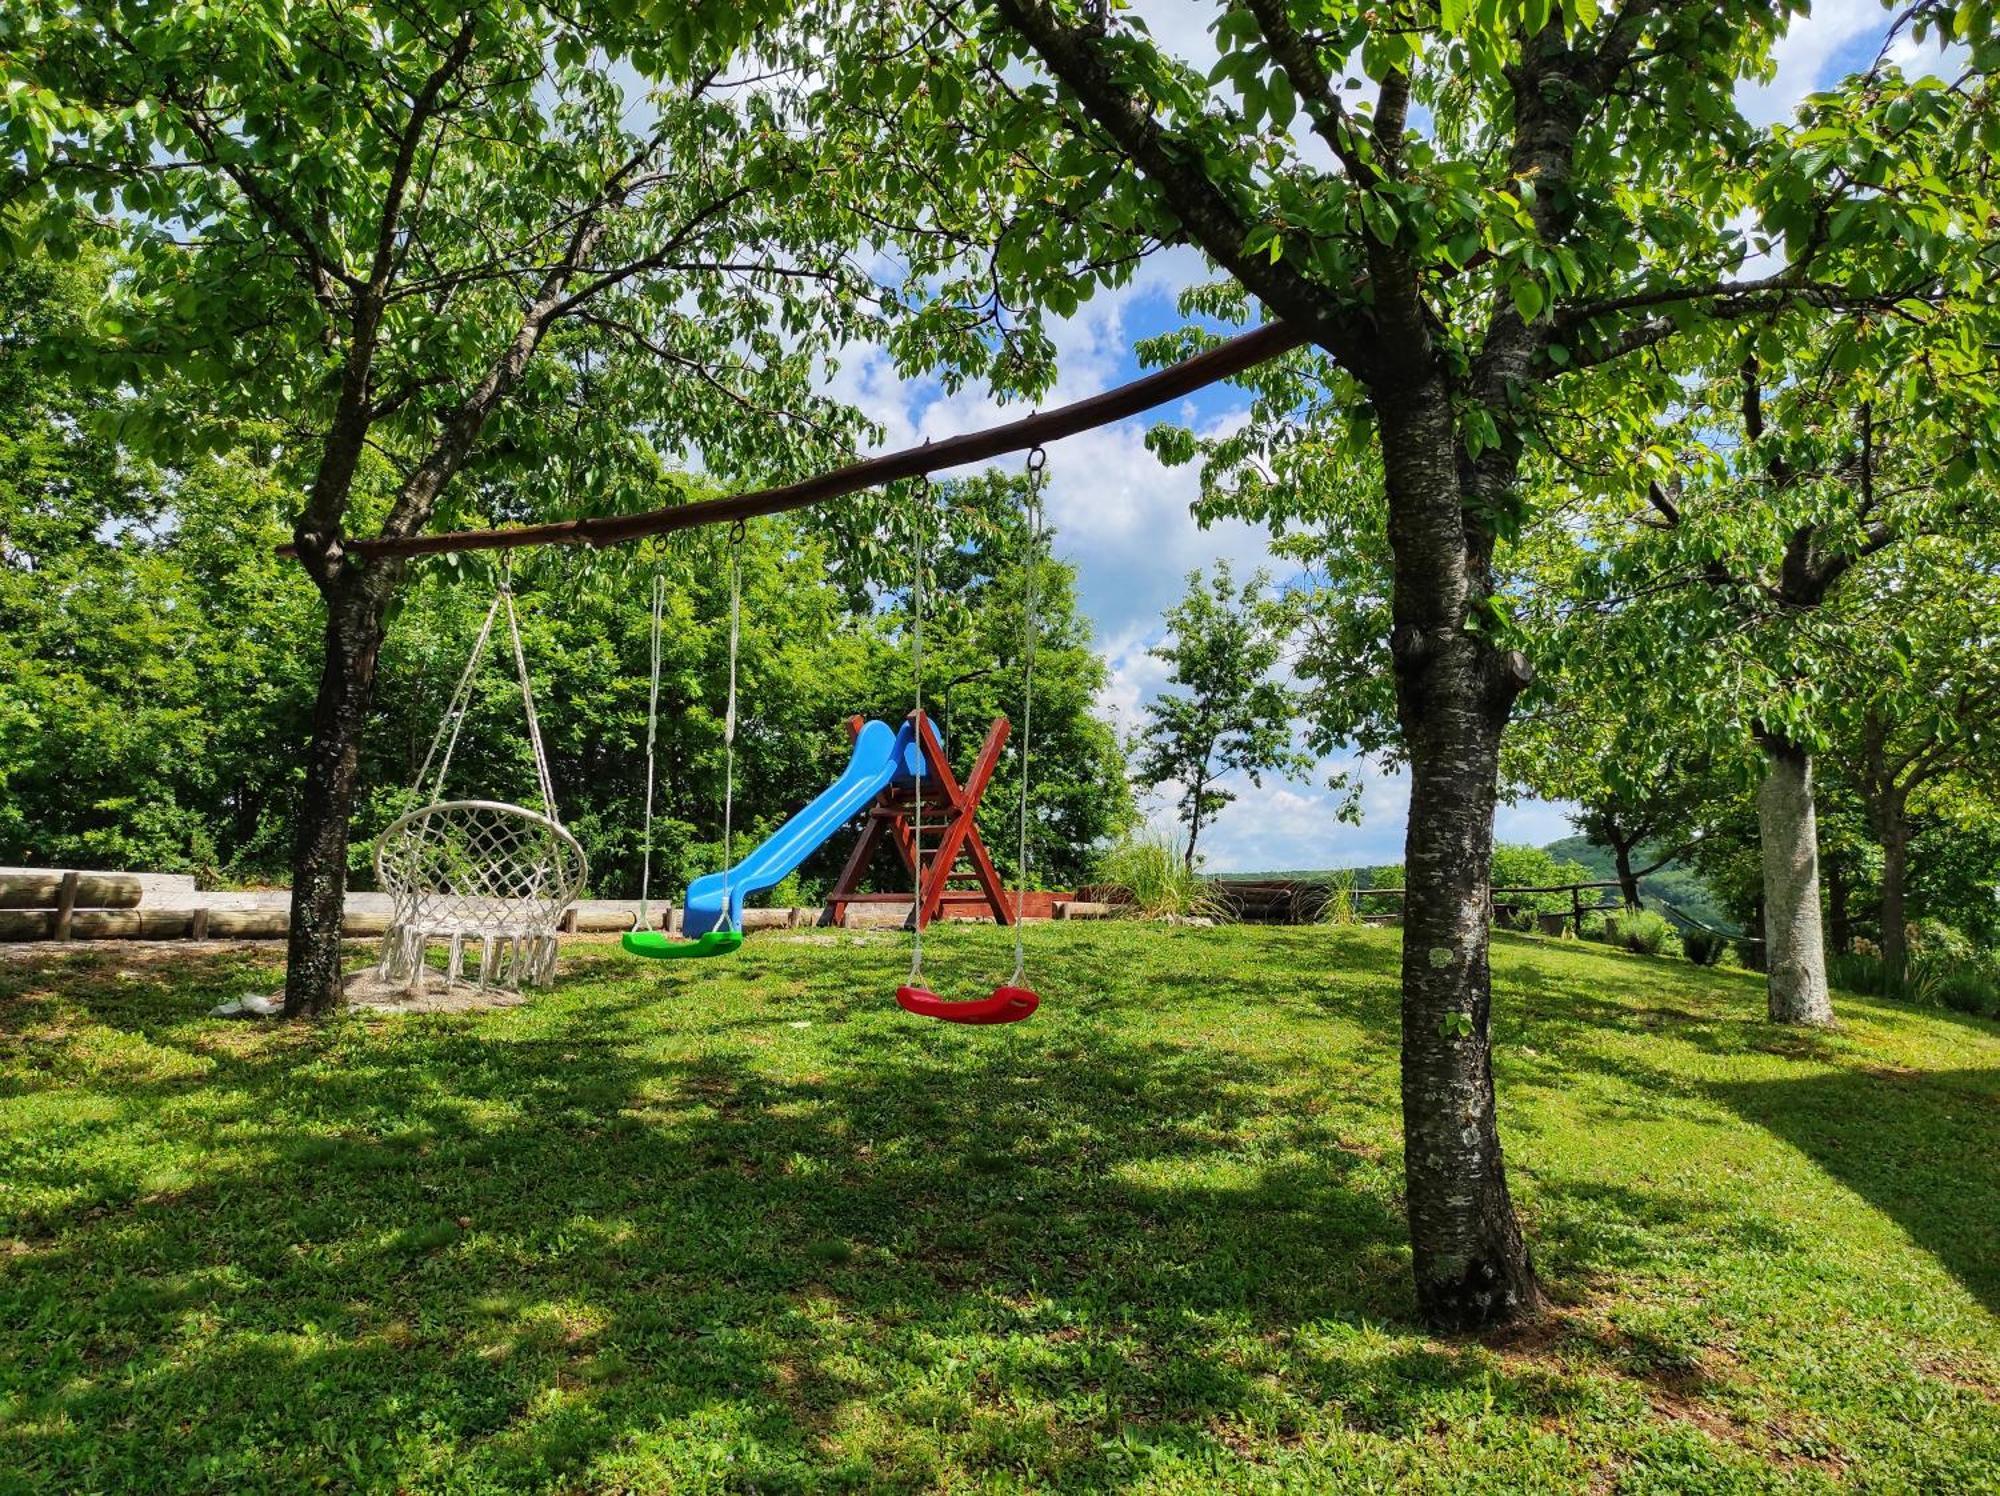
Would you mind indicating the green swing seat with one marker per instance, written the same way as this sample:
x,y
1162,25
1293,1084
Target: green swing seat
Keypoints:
x,y
657,945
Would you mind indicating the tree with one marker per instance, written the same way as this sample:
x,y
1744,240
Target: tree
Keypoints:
x,y
1793,487
435,252
1227,715
147,679
1536,207
1917,699
1600,731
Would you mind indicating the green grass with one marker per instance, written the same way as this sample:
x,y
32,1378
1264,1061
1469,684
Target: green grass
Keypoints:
x,y
748,1227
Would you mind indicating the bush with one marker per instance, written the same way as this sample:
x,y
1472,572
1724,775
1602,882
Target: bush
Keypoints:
x,y
1153,865
1857,971
1962,984
1703,947
1967,989
1644,932
1936,940
1595,926
1749,953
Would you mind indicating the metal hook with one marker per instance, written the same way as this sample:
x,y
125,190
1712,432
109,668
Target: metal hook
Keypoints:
x,y
738,532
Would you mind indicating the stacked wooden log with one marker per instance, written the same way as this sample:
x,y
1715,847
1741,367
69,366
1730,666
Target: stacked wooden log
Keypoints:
x,y
105,906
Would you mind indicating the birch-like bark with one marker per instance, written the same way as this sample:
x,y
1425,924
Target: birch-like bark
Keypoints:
x,y
1795,948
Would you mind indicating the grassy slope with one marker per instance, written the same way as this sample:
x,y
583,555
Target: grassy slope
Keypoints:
x,y
747,1226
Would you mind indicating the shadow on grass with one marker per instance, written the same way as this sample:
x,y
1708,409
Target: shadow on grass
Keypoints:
x,y
520,1252
662,1232
1920,1147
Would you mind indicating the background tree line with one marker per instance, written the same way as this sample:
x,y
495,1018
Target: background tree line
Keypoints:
x,y
156,673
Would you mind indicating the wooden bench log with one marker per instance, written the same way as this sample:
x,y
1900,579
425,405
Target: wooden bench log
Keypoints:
x,y
44,890
1089,909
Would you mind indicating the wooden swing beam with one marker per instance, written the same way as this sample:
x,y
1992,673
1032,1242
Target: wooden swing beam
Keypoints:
x,y
1224,361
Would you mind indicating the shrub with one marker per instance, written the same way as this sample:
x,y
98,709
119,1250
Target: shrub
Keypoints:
x,y
1967,989
1642,931
1857,971
1153,865
1936,940
1595,926
1749,953
1962,984
1703,947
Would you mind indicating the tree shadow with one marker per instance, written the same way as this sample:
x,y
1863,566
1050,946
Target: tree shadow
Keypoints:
x,y
539,1246
1918,1146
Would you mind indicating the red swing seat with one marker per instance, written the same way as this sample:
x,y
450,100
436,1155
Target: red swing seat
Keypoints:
x,y
1006,1005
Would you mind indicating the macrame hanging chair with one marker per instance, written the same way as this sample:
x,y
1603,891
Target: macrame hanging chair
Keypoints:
x,y
478,871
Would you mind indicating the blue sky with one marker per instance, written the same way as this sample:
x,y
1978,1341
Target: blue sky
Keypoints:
x,y
1124,520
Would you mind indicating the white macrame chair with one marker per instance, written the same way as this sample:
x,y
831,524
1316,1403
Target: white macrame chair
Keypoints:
x,y
461,871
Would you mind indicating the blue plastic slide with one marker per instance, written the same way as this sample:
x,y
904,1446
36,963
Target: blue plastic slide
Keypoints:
x,y
878,752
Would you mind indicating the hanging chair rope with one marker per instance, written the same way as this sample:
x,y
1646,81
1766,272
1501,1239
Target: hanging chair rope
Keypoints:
x,y
542,775
1038,461
454,714
453,722
919,554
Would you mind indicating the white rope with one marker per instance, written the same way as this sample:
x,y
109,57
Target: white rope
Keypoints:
x,y
736,536
1030,630
542,774
652,736
918,555
454,714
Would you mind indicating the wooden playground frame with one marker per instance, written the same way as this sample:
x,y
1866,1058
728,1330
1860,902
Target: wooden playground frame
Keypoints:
x,y
949,811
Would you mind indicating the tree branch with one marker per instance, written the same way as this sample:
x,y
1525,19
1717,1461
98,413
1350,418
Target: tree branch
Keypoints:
x,y
1219,226
422,108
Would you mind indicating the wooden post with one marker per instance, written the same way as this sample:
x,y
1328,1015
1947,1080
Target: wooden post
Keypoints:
x,y
198,926
1576,909
66,906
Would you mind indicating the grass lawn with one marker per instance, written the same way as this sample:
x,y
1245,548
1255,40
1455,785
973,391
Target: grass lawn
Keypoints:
x,y
743,1225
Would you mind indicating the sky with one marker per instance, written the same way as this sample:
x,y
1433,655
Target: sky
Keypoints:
x,y
1123,519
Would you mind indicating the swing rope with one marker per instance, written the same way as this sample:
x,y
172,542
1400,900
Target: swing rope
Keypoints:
x,y
1011,1002
1038,461
652,737
736,538
920,555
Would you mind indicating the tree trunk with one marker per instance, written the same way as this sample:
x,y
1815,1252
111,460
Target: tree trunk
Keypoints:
x,y
1795,951
1839,923
1471,1261
1895,834
1628,881
1194,821
353,643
